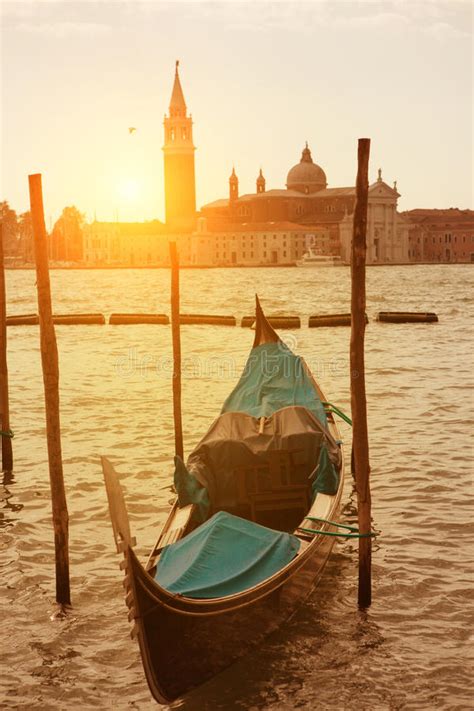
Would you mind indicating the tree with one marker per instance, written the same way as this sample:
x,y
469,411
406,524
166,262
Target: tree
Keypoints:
x,y
25,234
9,221
67,236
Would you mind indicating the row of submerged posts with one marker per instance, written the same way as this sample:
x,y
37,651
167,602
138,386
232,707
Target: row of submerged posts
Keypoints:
x,y
50,366
278,322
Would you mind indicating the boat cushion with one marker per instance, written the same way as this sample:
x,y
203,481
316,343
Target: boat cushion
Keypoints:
x,y
224,556
273,378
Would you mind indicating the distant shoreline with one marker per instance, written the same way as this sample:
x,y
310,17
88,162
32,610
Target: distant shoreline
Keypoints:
x,y
87,267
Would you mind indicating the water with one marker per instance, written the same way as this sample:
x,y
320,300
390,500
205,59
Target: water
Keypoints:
x,y
409,651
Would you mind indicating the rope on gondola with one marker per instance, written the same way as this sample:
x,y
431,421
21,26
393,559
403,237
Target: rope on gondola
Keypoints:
x,y
354,532
329,407
7,433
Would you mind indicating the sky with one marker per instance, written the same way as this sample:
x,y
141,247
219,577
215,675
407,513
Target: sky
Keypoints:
x,y
260,79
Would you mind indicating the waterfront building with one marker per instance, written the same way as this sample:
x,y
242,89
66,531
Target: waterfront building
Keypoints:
x,y
125,243
440,235
254,244
308,202
146,244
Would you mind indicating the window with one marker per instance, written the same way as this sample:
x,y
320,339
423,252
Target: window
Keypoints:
x,y
265,254
172,134
284,253
183,134
243,255
251,254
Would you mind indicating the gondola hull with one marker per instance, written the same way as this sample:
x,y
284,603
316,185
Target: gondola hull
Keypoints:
x,y
185,642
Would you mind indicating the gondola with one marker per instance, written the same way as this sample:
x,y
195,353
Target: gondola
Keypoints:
x,y
250,531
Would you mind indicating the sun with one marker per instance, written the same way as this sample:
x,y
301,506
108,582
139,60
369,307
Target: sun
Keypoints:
x,y
129,189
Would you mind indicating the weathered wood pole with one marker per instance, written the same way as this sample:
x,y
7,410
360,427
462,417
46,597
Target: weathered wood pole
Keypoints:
x,y
176,335
360,438
7,452
49,360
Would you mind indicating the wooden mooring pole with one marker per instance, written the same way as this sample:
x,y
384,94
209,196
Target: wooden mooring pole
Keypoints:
x,y
49,360
7,451
360,438
176,335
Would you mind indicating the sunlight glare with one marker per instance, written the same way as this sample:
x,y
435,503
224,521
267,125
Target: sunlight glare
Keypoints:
x,y
129,189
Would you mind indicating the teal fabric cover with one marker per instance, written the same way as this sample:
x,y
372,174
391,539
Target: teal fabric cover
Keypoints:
x,y
326,480
273,378
190,491
224,556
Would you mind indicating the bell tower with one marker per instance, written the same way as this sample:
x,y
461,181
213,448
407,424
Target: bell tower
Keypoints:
x,y
178,149
233,186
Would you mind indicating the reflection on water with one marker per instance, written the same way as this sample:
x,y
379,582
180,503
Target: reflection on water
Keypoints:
x,y
409,651
8,506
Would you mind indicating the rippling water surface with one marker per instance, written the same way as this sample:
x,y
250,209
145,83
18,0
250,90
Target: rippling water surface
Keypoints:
x,y
409,651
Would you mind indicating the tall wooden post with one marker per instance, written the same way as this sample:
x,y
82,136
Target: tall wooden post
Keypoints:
x,y
7,453
49,360
360,441
175,331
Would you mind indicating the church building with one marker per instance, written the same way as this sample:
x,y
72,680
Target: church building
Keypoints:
x,y
308,202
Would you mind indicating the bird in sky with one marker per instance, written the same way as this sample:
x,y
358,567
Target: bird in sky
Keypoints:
x,y
131,129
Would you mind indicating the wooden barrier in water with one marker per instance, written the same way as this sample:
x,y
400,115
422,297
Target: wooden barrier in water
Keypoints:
x,y
207,319
360,434
78,319
323,320
6,433
50,366
275,321
23,320
134,319
407,317
58,319
176,337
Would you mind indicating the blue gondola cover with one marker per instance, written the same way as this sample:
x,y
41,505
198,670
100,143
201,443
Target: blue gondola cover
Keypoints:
x,y
273,378
224,556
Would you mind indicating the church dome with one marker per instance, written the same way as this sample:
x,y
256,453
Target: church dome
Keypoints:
x,y
306,176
